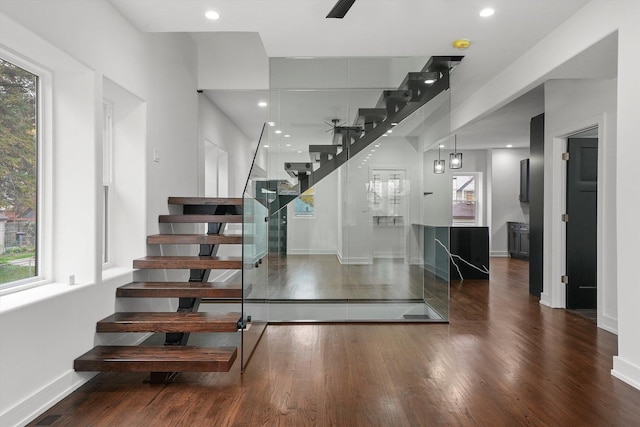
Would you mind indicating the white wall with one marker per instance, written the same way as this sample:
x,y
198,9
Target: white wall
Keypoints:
x,y
505,189
317,234
82,43
217,128
572,105
592,23
232,61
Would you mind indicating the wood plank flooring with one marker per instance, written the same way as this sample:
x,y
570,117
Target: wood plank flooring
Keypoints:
x,y
504,360
322,277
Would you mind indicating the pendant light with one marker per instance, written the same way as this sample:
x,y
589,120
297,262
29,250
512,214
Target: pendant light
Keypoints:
x,y
438,165
455,158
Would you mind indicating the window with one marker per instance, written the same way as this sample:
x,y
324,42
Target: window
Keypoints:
x,y
107,179
19,142
465,200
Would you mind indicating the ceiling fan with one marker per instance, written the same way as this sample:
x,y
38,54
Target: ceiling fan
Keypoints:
x,y
340,9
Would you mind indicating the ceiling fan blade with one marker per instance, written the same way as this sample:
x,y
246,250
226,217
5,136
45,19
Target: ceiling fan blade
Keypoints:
x,y
340,9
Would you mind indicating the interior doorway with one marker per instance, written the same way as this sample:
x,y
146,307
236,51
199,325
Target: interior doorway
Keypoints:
x,y
216,170
582,221
465,199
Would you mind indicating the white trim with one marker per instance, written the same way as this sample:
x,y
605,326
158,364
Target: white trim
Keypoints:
x,y
44,165
223,275
30,408
499,254
555,229
312,252
609,324
389,255
353,260
626,371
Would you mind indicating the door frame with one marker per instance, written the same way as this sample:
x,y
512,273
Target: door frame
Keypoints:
x,y
554,256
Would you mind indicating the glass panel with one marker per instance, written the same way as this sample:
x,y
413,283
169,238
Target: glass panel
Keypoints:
x,y
18,173
255,265
351,246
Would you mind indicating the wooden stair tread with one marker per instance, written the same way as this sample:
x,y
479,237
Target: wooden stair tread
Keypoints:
x,y
169,322
180,290
191,262
198,239
200,218
227,201
156,359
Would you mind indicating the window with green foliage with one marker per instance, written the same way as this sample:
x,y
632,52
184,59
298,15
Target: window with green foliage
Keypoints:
x,y
18,173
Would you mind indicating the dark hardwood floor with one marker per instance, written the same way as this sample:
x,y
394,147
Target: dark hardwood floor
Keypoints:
x,y
503,360
323,277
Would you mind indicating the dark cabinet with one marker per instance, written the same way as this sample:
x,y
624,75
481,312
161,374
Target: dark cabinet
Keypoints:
x,y
518,239
524,181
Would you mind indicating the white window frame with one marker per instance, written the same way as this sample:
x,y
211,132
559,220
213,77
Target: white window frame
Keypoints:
x,y
44,190
107,182
478,197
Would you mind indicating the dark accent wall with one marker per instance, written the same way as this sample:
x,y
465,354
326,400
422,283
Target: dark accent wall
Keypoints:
x,y
536,204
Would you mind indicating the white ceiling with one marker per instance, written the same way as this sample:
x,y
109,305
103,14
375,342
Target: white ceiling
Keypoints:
x,y
380,28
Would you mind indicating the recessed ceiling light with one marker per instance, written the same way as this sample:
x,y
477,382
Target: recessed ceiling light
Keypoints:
x,y
461,43
272,124
394,124
287,136
377,145
430,81
266,146
212,14
262,104
288,145
389,131
385,134
441,146
509,145
486,12
299,151
278,131
372,150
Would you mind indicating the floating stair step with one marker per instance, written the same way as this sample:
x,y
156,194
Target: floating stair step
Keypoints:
x,y
442,63
156,359
342,134
196,262
227,201
195,239
322,153
197,219
368,118
393,100
295,169
417,83
169,322
180,290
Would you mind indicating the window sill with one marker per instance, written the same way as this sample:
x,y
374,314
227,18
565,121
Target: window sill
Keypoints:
x,y
36,292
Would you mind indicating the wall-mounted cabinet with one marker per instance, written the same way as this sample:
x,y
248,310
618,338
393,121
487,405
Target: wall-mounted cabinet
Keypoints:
x,y
518,233
524,181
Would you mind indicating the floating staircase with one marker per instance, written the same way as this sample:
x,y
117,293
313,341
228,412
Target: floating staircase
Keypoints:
x,y
163,362
414,91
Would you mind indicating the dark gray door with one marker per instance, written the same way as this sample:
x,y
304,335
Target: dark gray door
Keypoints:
x,y
582,195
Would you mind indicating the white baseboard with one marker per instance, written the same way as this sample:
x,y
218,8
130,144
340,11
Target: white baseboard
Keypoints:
x,y
626,371
311,252
609,324
499,254
388,255
416,261
353,260
30,408
545,299
223,275
38,402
